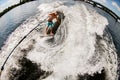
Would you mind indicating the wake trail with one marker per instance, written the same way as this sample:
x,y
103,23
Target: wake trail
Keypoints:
x,y
80,46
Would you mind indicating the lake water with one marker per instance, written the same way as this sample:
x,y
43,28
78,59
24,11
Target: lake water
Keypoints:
x,y
11,20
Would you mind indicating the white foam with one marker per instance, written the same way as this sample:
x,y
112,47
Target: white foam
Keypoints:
x,y
73,56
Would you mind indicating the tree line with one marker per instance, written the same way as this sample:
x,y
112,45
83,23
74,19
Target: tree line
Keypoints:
x,y
13,6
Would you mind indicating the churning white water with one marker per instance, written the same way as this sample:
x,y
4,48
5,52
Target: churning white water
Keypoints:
x,y
80,46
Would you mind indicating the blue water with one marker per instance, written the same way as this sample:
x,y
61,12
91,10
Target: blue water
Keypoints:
x,y
114,28
2,1
11,20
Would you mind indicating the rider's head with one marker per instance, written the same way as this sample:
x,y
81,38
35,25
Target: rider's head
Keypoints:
x,y
57,12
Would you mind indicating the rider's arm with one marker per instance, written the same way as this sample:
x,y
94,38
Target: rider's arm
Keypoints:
x,y
57,20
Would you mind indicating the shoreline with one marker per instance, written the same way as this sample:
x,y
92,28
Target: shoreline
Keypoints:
x,y
12,7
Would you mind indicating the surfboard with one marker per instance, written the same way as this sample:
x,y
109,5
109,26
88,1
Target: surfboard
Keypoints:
x,y
46,36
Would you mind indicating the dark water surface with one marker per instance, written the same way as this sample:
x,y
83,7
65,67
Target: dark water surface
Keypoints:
x,y
11,20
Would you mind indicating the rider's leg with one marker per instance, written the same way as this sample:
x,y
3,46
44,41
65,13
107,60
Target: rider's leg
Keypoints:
x,y
51,31
46,30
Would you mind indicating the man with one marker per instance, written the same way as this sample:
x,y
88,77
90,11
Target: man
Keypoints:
x,y
50,23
